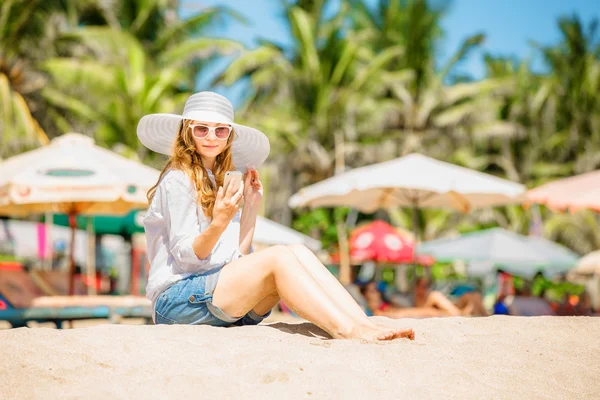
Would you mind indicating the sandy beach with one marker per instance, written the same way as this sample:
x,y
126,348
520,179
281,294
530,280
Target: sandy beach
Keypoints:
x,y
496,357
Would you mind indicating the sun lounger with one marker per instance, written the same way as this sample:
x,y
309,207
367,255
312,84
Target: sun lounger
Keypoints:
x,y
18,317
58,309
23,300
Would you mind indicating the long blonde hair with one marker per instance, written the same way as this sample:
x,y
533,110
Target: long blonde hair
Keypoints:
x,y
185,158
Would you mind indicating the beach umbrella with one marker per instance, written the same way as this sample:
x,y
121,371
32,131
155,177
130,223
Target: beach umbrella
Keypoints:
x,y
501,249
580,192
587,273
73,176
270,233
587,266
413,181
122,225
380,242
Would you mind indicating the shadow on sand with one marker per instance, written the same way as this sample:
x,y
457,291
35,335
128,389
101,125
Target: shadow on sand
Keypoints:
x,y
304,329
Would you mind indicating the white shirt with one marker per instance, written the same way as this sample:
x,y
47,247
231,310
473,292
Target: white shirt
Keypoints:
x,y
172,222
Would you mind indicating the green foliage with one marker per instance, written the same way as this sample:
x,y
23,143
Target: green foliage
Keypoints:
x,y
9,257
321,223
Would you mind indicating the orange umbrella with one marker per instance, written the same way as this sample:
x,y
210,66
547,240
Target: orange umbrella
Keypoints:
x,y
581,192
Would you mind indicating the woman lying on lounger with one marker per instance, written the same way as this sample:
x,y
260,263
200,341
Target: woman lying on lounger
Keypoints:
x,y
435,304
470,301
203,270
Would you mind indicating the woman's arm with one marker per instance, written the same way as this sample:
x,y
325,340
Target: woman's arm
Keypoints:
x,y
205,242
189,245
247,226
252,197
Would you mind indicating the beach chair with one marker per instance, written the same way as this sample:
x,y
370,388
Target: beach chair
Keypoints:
x,y
24,299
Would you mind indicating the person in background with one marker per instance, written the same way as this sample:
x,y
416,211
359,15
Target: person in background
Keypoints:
x,y
469,303
523,303
585,307
377,306
59,256
500,306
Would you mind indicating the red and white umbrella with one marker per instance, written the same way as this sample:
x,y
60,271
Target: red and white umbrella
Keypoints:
x,y
380,242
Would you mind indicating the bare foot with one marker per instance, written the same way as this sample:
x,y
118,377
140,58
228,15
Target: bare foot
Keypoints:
x,y
380,333
401,333
405,334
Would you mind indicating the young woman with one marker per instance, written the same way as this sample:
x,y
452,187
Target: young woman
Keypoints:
x,y
203,269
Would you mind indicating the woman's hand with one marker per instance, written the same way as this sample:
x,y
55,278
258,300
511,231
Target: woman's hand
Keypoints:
x,y
227,204
253,191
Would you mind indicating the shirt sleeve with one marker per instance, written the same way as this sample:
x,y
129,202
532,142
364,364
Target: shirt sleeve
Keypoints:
x,y
183,224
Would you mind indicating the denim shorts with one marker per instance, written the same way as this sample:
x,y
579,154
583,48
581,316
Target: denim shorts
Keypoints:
x,y
189,301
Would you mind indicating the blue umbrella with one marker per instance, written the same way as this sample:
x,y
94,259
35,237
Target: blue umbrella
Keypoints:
x,y
514,253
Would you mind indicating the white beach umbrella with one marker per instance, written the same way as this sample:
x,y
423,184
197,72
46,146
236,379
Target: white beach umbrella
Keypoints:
x,y
411,181
587,272
587,265
71,175
414,181
271,233
514,253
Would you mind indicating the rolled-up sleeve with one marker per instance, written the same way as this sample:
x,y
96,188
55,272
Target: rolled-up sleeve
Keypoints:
x,y
183,223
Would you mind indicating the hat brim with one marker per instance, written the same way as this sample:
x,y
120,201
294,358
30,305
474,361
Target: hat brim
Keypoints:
x,y
250,147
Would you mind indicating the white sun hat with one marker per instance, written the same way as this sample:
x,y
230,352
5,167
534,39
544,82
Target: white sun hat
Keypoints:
x,y
250,146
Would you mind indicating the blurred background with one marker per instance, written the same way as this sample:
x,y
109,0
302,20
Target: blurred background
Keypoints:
x,y
509,88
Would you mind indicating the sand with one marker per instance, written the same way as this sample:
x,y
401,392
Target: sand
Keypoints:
x,y
467,358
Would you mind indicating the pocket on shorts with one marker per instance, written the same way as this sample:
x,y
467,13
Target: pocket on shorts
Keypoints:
x,y
160,311
191,309
162,320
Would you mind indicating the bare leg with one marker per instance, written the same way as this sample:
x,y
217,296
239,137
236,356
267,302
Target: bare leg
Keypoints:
x,y
331,286
473,300
438,300
245,282
266,304
413,312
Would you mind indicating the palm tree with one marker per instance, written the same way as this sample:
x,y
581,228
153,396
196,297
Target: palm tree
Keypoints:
x,y
125,80
431,114
580,231
557,115
135,58
575,83
157,25
26,36
414,25
316,99
435,110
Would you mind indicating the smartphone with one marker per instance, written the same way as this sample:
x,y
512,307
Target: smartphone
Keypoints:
x,y
233,177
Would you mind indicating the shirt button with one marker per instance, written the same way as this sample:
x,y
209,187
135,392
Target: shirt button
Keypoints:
x,y
191,298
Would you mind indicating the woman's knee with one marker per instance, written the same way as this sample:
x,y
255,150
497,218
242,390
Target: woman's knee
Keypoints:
x,y
282,255
437,296
298,248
